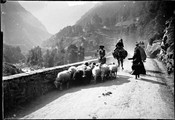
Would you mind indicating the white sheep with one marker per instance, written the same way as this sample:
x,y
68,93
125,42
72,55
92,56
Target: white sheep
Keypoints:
x,y
72,69
81,67
96,72
63,77
104,71
113,70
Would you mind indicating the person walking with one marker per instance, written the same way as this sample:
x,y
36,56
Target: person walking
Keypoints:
x,y
102,53
137,66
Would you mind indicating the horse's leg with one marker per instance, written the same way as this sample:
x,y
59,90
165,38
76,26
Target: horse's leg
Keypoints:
x,y
122,63
118,62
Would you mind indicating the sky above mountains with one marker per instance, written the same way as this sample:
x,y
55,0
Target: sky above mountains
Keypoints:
x,y
56,15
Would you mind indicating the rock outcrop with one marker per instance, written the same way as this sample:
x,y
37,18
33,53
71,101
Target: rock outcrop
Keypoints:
x,y
166,54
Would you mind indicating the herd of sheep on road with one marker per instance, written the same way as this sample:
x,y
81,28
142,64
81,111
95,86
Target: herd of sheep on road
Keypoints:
x,y
85,73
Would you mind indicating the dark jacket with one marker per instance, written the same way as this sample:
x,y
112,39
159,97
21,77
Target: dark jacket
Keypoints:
x,y
142,53
102,58
137,56
101,53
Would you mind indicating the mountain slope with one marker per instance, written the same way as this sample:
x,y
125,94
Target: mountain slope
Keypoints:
x,y
21,28
110,20
111,13
111,9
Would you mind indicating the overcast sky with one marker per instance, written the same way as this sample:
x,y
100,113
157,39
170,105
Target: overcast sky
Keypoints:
x,y
56,15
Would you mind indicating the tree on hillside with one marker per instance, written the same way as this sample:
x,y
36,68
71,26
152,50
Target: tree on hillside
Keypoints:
x,y
46,58
35,56
72,52
12,54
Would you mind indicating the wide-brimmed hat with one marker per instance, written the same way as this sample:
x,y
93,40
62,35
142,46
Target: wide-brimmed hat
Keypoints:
x,y
101,46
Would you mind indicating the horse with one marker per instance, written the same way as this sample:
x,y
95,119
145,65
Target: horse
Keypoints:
x,y
120,55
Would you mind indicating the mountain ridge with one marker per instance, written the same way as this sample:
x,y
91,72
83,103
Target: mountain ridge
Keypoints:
x,y
20,27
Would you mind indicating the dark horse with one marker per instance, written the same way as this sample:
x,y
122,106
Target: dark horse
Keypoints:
x,y
120,55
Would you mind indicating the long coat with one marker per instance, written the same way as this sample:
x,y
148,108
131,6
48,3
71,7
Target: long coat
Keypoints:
x,y
137,66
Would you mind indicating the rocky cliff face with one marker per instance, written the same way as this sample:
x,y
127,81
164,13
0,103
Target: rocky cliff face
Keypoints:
x,y
166,54
20,27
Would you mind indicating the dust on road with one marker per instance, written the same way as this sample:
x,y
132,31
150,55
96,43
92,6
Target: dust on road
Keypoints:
x,y
124,97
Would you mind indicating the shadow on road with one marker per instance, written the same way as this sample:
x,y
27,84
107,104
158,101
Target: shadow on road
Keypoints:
x,y
118,81
53,95
154,82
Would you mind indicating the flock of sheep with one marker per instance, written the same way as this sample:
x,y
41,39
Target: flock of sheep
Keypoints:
x,y
85,73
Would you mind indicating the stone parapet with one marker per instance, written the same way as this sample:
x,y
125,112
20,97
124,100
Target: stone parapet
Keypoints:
x,y
22,88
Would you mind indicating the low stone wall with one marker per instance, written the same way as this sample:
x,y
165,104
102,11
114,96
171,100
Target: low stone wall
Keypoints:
x,y
21,88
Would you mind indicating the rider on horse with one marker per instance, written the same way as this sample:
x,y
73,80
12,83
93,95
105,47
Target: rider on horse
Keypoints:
x,y
120,53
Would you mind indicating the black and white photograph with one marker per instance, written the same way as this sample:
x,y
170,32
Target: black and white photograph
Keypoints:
x,y
87,59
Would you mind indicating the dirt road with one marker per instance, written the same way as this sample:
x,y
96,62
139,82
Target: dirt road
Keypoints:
x,y
147,97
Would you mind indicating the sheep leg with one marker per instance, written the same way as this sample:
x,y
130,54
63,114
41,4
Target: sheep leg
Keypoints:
x,y
122,63
115,74
111,76
102,78
95,79
107,75
67,84
61,87
55,84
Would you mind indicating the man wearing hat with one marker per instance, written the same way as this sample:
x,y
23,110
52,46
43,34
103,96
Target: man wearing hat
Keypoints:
x,y
102,53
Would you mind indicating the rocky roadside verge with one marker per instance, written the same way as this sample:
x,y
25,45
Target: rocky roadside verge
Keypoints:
x,y
168,79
